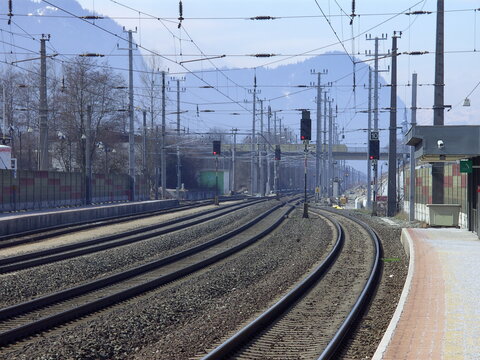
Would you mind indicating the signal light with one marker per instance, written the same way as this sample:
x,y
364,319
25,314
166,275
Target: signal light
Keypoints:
x,y
374,149
305,126
278,154
216,147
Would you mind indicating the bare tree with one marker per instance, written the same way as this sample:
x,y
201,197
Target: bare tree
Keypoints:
x,y
84,84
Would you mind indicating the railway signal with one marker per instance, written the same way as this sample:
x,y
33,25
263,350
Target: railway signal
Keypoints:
x,y
216,151
216,147
305,126
374,149
278,153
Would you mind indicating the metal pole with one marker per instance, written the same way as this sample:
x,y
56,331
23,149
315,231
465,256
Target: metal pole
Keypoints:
x,y
4,112
151,102
163,141
157,163
252,145
392,148
261,153
412,150
179,174
369,162
234,151
324,143
131,132
44,164
178,107
330,150
319,138
268,123
88,157
305,203
375,127
144,143
275,182
438,107
276,134
216,181
265,149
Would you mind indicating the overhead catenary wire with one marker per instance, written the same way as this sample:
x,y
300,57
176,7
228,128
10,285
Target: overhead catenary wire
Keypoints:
x,y
192,71
174,20
146,49
181,18
395,15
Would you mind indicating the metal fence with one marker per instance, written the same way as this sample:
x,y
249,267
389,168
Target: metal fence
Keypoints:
x,y
30,190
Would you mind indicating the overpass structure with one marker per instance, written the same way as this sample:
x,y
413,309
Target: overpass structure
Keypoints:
x,y
339,151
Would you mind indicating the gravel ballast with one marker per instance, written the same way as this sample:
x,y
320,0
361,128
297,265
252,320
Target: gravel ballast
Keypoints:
x,y
31,283
188,316
370,329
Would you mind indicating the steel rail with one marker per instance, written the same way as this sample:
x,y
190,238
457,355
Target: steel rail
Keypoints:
x,y
11,240
48,322
280,307
331,351
42,257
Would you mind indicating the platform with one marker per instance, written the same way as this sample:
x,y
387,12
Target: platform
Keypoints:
x,y
30,220
438,315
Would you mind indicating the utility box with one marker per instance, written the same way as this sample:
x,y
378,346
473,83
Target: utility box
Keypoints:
x,y
444,214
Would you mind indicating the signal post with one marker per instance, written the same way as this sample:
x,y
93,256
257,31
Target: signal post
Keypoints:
x,y
216,152
278,157
374,156
305,136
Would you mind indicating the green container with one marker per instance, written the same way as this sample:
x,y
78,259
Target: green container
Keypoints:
x,y
207,180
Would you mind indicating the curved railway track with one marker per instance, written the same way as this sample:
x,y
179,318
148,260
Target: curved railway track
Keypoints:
x,y
16,239
42,257
312,320
22,320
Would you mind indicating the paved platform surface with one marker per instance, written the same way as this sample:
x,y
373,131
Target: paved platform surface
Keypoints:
x,y
11,223
438,316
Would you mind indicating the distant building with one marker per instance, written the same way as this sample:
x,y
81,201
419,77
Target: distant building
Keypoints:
x,y
5,157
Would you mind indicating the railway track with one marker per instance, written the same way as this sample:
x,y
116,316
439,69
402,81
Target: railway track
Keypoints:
x,y
42,257
25,319
29,236
313,319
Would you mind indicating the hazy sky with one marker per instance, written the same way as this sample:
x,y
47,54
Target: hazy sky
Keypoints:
x,y
221,27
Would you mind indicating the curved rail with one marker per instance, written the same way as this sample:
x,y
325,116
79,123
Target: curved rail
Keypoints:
x,y
362,302
20,332
274,312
